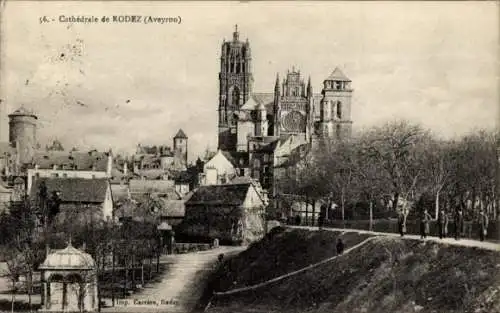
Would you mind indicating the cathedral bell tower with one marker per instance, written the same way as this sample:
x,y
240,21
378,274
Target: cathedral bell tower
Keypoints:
x,y
235,87
335,106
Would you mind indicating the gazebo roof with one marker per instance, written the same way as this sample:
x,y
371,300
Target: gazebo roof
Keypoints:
x,y
164,226
68,258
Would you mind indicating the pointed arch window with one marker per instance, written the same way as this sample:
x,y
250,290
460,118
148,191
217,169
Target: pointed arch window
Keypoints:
x,y
339,109
235,97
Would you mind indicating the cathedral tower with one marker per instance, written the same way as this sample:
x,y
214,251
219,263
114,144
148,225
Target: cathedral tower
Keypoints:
x,y
336,106
235,87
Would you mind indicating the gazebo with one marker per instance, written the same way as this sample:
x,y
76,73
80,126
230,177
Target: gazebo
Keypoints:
x,y
69,281
167,237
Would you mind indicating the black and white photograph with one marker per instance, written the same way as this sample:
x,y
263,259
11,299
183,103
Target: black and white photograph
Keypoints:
x,y
249,156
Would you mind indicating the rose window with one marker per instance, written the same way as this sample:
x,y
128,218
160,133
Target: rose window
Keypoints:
x,y
294,122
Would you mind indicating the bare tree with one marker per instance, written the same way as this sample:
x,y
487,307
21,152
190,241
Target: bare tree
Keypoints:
x,y
393,147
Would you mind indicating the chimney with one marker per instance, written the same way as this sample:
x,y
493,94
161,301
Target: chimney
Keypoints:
x,y
47,250
125,168
54,167
84,246
36,167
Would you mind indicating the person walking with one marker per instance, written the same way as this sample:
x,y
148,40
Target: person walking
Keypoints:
x,y
442,223
340,246
483,225
321,218
401,223
424,224
459,222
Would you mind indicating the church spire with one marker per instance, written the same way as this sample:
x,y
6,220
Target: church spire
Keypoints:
x,y
309,87
277,85
236,34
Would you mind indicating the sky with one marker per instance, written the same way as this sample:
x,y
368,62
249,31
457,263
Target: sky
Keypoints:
x,y
119,84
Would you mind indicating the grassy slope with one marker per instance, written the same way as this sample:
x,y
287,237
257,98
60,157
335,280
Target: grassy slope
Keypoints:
x,y
281,252
385,275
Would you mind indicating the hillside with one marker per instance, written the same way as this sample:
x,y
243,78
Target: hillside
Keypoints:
x,y
386,274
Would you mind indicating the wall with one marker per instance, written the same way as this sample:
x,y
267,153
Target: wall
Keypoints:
x,y
221,165
245,129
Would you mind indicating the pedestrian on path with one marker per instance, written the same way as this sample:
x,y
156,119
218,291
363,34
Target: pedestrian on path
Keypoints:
x,y
298,220
424,224
459,222
402,222
340,246
442,223
321,217
483,225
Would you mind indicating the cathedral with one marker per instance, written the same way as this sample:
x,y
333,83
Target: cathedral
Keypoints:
x,y
293,109
266,132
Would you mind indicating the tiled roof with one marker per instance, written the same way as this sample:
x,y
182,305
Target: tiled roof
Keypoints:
x,y
233,195
120,192
83,161
181,135
22,111
251,104
338,76
172,208
151,186
237,158
73,189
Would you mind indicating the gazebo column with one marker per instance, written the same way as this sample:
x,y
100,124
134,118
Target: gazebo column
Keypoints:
x,y
44,295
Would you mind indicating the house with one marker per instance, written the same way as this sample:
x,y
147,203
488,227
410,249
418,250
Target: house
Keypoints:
x,y
231,212
5,197
78,195
73,164
223,167
217,170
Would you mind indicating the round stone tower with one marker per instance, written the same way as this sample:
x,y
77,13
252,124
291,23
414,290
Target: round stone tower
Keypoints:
x,y
22,133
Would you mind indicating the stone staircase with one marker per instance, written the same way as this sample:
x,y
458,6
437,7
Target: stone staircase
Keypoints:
x,y
181,286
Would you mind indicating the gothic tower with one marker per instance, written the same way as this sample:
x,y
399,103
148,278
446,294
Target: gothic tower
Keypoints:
x,y
335,106
180,147
235,86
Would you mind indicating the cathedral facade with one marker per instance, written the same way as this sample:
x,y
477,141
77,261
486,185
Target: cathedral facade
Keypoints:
x,y
269,132
248,118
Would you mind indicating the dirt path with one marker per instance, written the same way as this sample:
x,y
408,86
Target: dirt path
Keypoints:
x,y
178,291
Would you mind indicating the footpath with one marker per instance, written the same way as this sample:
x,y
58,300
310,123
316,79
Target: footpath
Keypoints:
x,y
180,287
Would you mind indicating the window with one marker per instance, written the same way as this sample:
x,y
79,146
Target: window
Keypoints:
x,y
235,97
65,175
242,172
266,157
256,163
266,169
339,109
338,85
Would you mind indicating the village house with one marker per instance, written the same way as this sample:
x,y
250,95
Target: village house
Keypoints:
x,y
233,213
78,195
73,164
